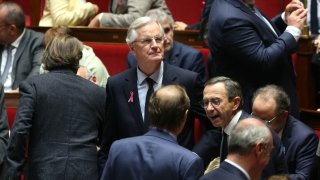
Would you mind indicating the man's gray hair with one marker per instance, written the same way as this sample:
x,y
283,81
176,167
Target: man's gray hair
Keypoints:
x,y
244,138
138,23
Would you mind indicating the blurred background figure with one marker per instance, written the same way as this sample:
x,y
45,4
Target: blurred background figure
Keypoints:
x,y
20,48
68,13
59,118
88,61
123,13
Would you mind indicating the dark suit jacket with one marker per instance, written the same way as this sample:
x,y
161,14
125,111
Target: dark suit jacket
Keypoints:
x,y
26,62
245,49
211,141
60,114
224,172
301,145
182,56
124,118
4,130
155,155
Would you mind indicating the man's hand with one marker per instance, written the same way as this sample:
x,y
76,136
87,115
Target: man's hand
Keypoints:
x,y
297,18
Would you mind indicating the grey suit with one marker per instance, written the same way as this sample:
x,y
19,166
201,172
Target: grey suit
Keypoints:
x,y
26,62
124,12
60,114
4,129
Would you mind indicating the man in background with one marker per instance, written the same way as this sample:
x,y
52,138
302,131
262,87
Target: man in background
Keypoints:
x,y
20,48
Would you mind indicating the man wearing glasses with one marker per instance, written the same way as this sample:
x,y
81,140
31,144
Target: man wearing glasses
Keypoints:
x,y
222,101
176,53
272,104
128,92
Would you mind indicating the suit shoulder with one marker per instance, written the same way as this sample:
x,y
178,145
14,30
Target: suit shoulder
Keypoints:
x,y
181,71
186,48
298,126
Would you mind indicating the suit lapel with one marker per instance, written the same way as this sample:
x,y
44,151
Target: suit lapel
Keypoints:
x,y
169,77
130,91
18,53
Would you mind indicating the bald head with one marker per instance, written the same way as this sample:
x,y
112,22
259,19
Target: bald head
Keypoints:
x,y
168,107
247,134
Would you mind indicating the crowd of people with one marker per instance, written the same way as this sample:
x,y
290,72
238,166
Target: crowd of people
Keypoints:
x,y
74,121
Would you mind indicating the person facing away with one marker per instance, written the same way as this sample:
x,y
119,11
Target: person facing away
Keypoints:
x,y
88,61
252,50
222,101
123,12
157,154
127,92
59,119
272,104
67,13
249,146
176,53
4,132
20,48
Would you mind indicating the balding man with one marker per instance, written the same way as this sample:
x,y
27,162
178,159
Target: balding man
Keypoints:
x,y
156,154
249,147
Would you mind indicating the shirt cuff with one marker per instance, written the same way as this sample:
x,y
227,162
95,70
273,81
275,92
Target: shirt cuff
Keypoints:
x,y
294,31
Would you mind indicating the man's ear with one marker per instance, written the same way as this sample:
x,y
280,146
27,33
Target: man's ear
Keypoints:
x,y
94,79
259,148
237,101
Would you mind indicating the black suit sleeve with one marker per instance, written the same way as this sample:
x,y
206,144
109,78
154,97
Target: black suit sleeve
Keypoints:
x,y
4,127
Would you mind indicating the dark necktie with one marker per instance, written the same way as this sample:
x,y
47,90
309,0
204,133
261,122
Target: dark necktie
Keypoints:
x,y
224,147
146,107
8,64
314,17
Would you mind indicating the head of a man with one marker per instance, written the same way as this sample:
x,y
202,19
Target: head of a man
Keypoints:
x,y
251,144
167,23
222,99
168,108
63,52
271,104
12,22
145,38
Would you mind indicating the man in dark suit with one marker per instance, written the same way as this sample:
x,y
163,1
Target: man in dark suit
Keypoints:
x,y
127,91
250,146
20,48
222,101
156,154
176,53
272,104
4,131
59,117
252,50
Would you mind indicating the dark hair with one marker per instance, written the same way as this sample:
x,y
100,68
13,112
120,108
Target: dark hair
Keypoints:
x,y
15,14
233,88
168,106
63,52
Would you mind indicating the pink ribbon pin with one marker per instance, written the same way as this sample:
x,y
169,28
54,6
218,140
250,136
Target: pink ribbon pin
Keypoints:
x,y
131,97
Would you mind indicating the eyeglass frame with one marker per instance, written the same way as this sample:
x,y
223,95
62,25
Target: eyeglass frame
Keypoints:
x,y
148,41
205,105
272,119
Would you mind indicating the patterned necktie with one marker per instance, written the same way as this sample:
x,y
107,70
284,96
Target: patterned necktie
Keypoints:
x,y
224,147
146,107
314,17
8,64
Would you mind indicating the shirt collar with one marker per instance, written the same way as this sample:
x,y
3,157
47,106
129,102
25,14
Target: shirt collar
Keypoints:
x,y
238,167
232,123
156,76
18,40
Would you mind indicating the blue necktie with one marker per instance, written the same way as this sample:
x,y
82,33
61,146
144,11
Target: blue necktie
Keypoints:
x,y
8,64
314,17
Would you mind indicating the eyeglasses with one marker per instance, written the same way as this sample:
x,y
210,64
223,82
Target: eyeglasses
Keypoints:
x,y
270,120
214,102
148,41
